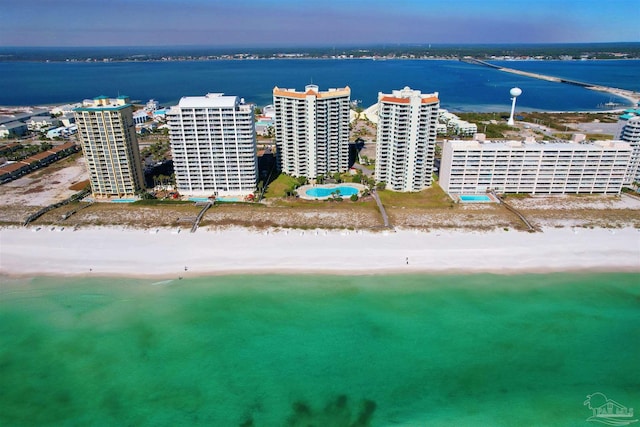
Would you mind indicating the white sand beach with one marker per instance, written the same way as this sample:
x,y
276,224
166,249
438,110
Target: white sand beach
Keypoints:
x,y
167,252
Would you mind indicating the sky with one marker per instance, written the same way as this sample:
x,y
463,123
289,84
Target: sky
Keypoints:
x,y
262,23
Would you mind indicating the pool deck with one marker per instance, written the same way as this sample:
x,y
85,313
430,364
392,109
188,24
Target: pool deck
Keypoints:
x,y
302,191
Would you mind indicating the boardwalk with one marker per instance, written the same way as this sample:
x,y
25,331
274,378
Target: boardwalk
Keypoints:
x,y
206,206
383,212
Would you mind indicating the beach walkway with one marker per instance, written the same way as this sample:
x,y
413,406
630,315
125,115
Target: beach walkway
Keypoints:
x,y
206,206
383,212
513,210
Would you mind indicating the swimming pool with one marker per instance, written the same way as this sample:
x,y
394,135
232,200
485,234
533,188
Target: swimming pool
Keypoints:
x,y
466,198
321,192
123,200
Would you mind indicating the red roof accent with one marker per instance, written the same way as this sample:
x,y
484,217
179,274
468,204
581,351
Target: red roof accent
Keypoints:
x,y
12,167
395,100
38,157
63,147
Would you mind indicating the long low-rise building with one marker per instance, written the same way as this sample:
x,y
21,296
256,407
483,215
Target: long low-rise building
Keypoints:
x,y
473,167
15,170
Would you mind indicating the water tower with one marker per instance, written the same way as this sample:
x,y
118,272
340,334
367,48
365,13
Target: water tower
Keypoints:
x,y
515,92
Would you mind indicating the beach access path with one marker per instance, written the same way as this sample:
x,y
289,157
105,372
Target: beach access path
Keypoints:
x,y
167,253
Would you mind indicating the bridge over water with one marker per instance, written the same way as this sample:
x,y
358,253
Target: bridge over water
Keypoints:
x,y
632,96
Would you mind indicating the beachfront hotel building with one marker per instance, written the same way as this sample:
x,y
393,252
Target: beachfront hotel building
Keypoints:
x,y
108,140
213,143
312,130
406,139
475,167
629,131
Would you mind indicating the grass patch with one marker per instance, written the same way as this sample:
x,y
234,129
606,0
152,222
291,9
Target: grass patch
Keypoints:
x,y
433,197
79,185
279,186
564,136
599,136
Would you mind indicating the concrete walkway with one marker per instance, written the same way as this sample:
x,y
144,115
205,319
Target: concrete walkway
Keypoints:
x,y
365,171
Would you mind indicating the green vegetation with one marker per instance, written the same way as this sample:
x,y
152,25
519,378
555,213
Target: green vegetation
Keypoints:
x,y
491,124
164,180
559,120
433,197
159,151
22,151
598,136
495,127
280,186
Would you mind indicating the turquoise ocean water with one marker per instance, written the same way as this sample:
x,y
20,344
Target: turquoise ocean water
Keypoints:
x,y
411,350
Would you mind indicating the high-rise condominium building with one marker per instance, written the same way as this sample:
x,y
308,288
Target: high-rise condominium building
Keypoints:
x,y
213,143
108,140
629,131
407,121
312,130
473,167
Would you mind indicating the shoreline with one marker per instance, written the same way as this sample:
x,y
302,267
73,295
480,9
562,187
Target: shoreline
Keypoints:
x,y
167,254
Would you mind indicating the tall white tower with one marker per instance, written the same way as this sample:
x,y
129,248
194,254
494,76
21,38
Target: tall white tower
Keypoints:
x,y
214,146
406,139
515,92
108,139
312,130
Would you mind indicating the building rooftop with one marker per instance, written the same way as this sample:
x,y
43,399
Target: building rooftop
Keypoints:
x,y
104,103
211,100
530,144
403,96
312,90
12,167
13,125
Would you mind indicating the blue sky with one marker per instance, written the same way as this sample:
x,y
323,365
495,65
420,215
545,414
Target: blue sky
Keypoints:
x,y
305,22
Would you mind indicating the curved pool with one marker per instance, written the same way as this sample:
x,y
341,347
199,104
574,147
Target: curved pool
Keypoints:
x,y
343,190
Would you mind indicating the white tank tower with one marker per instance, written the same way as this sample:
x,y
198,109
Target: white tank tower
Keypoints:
x,y
515,92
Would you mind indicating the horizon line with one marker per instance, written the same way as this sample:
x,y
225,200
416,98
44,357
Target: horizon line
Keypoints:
x,y
328,46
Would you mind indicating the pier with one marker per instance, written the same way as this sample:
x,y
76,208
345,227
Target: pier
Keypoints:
x,y
632,96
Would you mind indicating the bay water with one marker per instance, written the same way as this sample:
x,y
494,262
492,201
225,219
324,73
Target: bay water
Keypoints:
x,y
299,350
461,86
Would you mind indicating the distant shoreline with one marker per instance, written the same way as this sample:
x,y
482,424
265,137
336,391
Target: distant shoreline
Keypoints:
x,y
319,58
